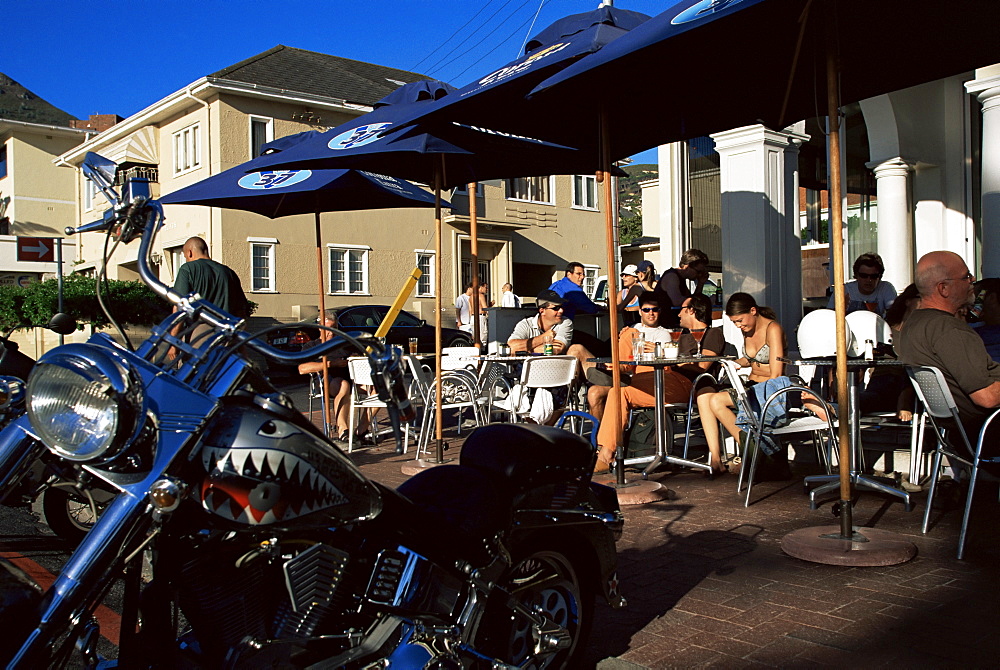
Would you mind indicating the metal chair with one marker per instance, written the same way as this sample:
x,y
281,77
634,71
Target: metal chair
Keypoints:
x,y
757,432
458,391
538,372
939,404
316,390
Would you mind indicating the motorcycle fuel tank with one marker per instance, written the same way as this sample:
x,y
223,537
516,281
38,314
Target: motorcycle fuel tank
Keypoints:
x,y
262,467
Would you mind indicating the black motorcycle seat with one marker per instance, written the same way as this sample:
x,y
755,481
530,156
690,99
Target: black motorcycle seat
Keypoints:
x,y
528,456
457,498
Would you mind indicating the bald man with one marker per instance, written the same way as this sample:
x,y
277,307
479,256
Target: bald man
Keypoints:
x,y
213,281
934,335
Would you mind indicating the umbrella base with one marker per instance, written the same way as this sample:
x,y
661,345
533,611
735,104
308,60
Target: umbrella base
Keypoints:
x,y
419,465
637,492
823,544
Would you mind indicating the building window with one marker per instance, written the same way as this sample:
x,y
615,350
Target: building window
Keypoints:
x,y
89,194
425,262
3,161
261,132
590,278
187,149
175,257
585,191
464,189
349,270
262,264
530,189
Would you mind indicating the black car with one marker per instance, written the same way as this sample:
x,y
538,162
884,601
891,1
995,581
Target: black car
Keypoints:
x,y
292,338
368,317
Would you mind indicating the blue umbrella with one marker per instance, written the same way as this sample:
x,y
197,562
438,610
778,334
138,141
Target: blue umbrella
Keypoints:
x,y
276,193
806,51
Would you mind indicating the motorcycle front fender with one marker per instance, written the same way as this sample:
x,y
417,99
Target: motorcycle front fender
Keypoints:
x,y
18,453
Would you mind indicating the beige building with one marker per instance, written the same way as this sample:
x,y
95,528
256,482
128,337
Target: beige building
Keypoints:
x,y
37,199
529,228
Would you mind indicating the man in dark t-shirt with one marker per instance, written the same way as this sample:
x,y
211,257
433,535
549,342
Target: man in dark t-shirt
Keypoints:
x,y
933,335
213,281
672,288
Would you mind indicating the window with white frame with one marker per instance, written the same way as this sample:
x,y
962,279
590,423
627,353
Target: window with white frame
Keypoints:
x,y
175,257
262,277
348,269
531,189
464,189
261,132
425,263
590,278
89,194
585,191
187,149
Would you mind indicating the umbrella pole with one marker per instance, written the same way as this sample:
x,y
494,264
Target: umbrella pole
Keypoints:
x,y
438,371
327,410
840,302
477,337
604,176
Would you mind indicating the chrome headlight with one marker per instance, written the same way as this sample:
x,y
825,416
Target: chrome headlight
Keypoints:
x,y
84,401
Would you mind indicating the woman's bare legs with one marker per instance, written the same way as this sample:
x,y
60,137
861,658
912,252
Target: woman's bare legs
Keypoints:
x,y
713,409
340,392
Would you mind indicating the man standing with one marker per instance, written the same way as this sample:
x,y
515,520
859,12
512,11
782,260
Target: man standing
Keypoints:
x,y
570,287
507,298
213,281
933,335
463,310
640,391
868,291
673,288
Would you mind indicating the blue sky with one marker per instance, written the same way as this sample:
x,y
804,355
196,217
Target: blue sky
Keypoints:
x,y
119,56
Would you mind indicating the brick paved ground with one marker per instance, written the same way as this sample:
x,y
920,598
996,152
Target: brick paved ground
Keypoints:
x,y
708,584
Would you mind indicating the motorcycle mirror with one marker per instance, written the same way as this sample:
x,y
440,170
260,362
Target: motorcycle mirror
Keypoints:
x,y
61,323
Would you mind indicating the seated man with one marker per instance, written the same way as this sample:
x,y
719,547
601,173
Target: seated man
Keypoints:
x,y
932,335
868,290
570,288
989,331
695,314
640,391
549,325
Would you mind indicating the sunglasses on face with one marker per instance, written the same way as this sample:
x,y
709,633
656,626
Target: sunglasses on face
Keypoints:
x,y
554,308
647,310
865,275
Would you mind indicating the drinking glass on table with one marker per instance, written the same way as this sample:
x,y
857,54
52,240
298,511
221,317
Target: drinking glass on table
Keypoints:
x,y
697,334
413,345
675,334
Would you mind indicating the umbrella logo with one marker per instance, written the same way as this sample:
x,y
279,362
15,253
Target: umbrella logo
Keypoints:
x,y
512,70
358,137
703,9
386,181
270,179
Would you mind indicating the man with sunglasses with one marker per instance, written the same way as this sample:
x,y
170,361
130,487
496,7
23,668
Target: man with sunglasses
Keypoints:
x,y
639,392
932,335
868,291
548,326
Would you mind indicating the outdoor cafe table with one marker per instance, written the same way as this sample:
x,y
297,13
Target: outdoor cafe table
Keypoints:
x,y
660,410
855,368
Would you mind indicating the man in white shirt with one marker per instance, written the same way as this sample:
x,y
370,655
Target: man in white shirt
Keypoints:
x,y
463,310
507,298
532,333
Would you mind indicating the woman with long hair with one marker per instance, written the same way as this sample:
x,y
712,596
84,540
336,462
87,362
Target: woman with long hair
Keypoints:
x,y
764,344
647,275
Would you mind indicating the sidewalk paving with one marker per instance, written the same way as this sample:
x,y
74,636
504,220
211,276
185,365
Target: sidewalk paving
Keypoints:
x,y
708,585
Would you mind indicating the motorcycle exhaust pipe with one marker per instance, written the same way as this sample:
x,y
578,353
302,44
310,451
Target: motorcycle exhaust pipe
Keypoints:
x,y
18,453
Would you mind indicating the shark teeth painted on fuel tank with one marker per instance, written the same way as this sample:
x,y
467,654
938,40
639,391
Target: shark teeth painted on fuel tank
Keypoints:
x,y
234,474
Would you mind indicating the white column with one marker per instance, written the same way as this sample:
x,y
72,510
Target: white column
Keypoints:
x,y
761,243
673,220
895,220
989,95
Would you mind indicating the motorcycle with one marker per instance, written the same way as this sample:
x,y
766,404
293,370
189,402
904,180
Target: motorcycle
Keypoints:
x,y
69,508
265,544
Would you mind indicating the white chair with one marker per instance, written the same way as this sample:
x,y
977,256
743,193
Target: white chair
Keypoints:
x,y
538,372
939,404
806,424
363,399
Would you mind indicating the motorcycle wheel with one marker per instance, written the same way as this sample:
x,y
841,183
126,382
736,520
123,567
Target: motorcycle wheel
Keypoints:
x,y
545,581
68,511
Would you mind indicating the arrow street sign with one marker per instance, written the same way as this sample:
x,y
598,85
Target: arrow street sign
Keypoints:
x,y
36,249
